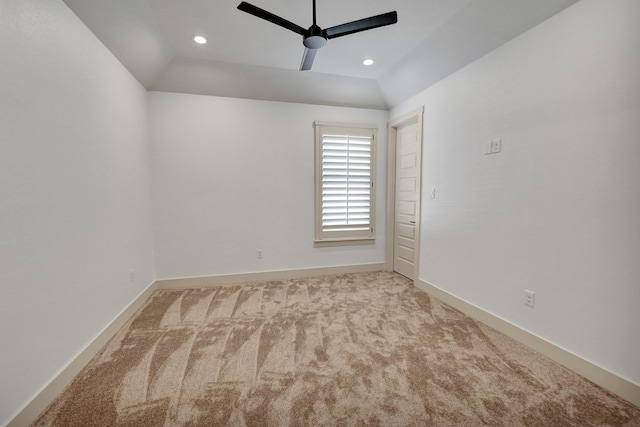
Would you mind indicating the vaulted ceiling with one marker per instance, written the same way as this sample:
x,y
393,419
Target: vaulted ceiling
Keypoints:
x,y
248,57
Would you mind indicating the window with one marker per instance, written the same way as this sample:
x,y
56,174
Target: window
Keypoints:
x,y
344,173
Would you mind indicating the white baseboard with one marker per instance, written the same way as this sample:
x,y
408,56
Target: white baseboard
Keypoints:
x,y
604,378
32,410
207,281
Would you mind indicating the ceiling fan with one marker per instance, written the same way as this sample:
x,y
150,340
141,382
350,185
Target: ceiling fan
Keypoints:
x,y
315,37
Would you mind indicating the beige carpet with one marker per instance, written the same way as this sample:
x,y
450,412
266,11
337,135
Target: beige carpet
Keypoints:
x,y
350,350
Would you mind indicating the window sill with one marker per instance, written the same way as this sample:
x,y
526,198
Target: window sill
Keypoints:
x,y
344,242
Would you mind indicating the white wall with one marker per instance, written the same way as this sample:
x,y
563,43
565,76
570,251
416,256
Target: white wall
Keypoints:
x,y
231,176
75,208
558,211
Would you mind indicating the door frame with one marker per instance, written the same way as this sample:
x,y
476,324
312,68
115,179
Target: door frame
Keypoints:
x,y
415,116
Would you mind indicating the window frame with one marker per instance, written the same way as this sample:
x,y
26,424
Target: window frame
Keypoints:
x,y
350,237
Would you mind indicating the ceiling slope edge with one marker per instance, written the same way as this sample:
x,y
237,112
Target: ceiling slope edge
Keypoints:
x,y
232,80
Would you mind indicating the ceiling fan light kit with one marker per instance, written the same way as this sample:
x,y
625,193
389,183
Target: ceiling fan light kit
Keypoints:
x,y
315,37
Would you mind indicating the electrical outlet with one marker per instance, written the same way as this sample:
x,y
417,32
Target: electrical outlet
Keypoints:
x,y
259,253
529,298
132,275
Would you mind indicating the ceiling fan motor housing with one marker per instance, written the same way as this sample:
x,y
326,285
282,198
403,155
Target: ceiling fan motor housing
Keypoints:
x,y
315,38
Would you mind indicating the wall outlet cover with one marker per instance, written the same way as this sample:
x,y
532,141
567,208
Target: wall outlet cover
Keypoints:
x,y
529,298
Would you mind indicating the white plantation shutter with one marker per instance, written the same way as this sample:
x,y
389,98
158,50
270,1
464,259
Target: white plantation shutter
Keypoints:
x,y
344,182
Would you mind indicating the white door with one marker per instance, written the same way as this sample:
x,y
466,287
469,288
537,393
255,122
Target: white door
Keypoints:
x,y
407,198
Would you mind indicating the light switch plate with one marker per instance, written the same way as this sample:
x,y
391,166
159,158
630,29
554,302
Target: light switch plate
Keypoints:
x,y
488,146
496,146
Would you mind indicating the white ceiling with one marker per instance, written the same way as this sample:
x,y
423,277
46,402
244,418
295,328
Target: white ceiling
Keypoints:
x,y
248,57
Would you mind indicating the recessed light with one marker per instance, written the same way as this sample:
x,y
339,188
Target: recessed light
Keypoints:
x,y
368,62
199,39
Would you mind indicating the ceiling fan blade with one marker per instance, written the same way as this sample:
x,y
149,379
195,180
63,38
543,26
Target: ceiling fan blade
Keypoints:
x,y
268,16
307,59
362,25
